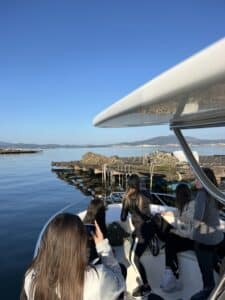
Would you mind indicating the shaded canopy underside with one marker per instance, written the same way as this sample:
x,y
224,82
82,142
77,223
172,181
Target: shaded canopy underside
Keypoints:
x,y
191,92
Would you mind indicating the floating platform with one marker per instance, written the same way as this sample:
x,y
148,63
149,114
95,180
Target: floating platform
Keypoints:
x,y
19,151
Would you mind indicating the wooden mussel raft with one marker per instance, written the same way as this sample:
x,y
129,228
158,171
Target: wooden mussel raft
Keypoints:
x,y
99,175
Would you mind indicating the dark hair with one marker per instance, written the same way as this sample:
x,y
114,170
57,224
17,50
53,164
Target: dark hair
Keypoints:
x,y
61,253
183,196
96,212
134,182
132,200
210,174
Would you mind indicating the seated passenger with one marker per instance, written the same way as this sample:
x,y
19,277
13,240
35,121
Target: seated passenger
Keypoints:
x,y
95,212
206,236
138,206
61,270
178,239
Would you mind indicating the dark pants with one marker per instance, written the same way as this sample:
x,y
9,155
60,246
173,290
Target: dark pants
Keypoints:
x,y
136,251
205,254
175,244
206,257
124,273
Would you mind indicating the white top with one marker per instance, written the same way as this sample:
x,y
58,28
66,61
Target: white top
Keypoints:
x,y
184,222
105,281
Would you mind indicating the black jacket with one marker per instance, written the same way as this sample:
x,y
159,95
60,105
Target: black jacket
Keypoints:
x,y
140,214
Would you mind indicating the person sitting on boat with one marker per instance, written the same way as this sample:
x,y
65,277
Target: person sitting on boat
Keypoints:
x,y
179,238
206,234
61,269
135,203
95,212
206,237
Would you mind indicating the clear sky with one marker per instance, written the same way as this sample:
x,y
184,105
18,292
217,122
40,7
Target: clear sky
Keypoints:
x,y
62,62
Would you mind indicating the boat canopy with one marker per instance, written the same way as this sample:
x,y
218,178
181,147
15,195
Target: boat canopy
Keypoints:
x,y
189,95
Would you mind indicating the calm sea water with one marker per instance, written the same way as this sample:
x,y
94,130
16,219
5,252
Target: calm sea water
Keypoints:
x,y
29,194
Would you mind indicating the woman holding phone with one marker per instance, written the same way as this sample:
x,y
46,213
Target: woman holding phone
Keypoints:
x,y
95,211
61,269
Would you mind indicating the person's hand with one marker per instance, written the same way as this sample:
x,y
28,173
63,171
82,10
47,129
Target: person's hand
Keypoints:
x,y
167,214
97,235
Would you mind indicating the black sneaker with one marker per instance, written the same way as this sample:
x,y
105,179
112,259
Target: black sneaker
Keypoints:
x,y
141,291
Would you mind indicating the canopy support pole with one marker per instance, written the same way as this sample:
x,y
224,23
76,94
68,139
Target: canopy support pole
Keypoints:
x,y
207,184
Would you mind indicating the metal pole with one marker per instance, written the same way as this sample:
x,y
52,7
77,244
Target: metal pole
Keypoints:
x,y
208,185
151,177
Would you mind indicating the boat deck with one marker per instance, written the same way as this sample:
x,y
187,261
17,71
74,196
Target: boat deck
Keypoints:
x,y
190,275
154,265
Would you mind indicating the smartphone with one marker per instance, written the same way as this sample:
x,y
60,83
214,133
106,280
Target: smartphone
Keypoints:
x,y
90,228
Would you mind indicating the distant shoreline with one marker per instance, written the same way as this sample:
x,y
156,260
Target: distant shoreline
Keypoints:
x,y
34,149
160,141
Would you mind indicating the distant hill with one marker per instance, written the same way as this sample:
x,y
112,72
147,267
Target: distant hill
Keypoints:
x,y
171,139
160,140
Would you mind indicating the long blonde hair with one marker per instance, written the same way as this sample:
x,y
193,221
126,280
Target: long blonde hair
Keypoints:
x,y
59,268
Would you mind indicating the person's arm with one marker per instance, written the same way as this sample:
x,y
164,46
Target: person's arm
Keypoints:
x,y
27,287
108,259
112,281
200,205
104,249
23,295
124,211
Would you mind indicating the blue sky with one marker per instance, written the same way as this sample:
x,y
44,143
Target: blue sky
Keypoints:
x,y
62,62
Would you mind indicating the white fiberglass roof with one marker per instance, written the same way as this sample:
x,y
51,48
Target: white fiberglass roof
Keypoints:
x,y
192,90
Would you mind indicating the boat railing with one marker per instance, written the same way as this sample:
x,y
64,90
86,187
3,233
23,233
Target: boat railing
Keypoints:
x,y
160,198
157,198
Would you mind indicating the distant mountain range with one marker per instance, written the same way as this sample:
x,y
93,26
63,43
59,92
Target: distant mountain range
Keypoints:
x,y
160,141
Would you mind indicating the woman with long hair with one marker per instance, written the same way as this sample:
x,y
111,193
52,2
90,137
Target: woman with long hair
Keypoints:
x,y
201,225
207,234
61,270
180,237
95,212
137,205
